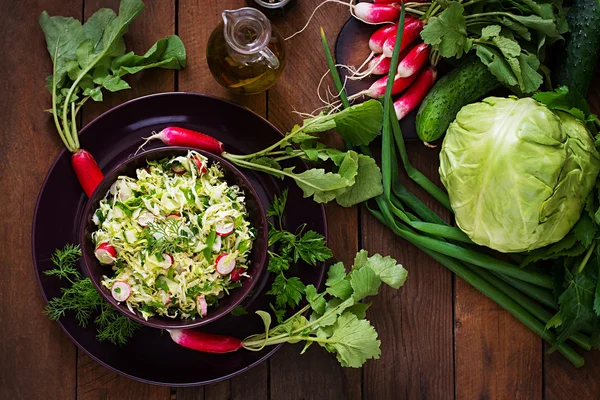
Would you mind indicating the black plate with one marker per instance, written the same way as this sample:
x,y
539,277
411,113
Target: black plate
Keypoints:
x,y
150,356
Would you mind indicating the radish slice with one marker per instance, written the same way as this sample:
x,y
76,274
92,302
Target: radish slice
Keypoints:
x,y
224,264
166,262
200,165
105,253
145,218
174,216
166,299
225,227
236,275
121,291
178,169
202,306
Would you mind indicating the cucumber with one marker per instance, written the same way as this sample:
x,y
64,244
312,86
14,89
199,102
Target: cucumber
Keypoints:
x,y
576,60
465,84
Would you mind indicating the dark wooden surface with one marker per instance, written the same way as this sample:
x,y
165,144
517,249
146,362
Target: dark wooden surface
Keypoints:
x,y
440,338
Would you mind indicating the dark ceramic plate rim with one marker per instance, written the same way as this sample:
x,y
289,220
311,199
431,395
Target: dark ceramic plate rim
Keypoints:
x,y
157,322
35,260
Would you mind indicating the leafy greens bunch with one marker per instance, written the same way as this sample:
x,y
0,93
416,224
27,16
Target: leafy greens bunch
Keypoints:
x,y
509,36
90,58
354,177
82,298
559,307
337,320
288,249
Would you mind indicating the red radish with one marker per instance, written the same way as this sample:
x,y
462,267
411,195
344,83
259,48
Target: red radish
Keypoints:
x,y
380,65
377,89
224,264
175,136
174,216
416,93
145,218
166,262
178,169
87,171
202,306
147,170
225,227
414,60
412,30
166,299
200,165
105,253
120,291
376,13
205,342
378,38
236,275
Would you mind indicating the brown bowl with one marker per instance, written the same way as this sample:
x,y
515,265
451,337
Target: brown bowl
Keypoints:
x,y
94,270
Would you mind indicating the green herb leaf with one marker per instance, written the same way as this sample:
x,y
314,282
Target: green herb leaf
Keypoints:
x,y
386,268
576,305
364,282
564,100
311,248
239,311
366,186
317,303
354,341
287,291
448,32
358,124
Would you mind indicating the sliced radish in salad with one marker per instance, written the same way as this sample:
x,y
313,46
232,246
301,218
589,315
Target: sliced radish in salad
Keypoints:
x,y
224,264
225,227
165,263
121,291
174,216
178,169
166,299
105,253
201,168
236,275
202,306
145,218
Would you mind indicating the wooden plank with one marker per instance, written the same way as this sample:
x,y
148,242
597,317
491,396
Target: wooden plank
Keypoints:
x,y
196,21
156,21
295,376
38,359
414,323
497,357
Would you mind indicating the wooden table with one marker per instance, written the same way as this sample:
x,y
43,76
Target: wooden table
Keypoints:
x,y
440,338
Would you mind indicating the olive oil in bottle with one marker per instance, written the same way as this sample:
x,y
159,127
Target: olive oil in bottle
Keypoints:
x,y
244,53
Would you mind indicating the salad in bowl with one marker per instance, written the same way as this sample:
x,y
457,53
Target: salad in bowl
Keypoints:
x,y
174,238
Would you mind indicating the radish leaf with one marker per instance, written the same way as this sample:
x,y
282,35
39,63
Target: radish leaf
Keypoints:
x,y
366,186
354,341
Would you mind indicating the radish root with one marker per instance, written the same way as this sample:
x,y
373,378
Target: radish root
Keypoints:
x,y
366,73
146,140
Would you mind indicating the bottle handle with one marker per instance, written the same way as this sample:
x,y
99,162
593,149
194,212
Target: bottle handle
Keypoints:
x,y
270,57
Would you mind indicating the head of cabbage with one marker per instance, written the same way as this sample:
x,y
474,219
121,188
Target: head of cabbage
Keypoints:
x,y
517,173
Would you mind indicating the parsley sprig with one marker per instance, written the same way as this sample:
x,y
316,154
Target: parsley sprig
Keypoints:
x,y
289,248
82,298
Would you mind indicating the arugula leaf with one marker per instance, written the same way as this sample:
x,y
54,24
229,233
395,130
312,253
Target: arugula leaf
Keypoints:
x,y
354,341
358,124
368,183
448,32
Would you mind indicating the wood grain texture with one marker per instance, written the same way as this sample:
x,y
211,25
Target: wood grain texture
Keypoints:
x,y
497,357
315,374
155,22
415,322
37,358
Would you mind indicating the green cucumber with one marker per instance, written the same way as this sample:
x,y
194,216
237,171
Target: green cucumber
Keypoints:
x,y
468,82
576,61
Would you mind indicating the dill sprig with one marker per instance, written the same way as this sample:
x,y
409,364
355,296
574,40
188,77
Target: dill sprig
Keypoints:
x,y
82,298
167,237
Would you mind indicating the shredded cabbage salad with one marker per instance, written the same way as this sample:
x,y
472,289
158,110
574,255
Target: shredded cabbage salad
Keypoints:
x,y
171,226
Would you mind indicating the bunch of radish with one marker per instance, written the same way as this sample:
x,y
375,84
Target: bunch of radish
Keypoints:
x,y
414,76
